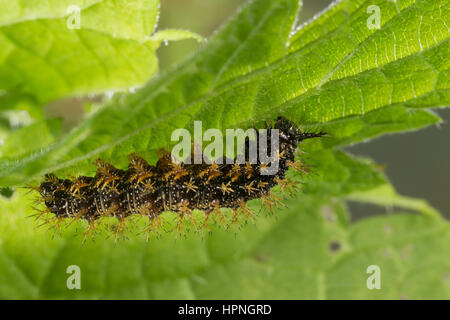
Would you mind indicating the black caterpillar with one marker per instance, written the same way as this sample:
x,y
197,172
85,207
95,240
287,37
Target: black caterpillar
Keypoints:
x,y
150,190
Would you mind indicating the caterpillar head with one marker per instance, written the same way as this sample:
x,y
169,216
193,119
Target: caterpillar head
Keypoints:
x,y
290,132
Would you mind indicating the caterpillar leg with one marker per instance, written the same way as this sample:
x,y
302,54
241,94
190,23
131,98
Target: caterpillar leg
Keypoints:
x,y
153,228
184,212
271,202
247,214
205,226
287,186
234,223
120,228
219,218
90,230
298,166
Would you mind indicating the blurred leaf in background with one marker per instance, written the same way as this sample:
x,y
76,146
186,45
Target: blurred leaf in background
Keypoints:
x,y
45,59
42,56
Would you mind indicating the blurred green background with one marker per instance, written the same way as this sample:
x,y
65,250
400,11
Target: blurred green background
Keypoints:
x,y
417,163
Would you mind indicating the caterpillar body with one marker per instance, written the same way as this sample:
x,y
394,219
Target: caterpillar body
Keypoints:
x,y
171,186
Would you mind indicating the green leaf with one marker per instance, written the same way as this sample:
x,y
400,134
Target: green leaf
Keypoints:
x,y
132,19
48,131
135,19
353,81
390,119
34,66
309,252
18,11
175,35
336,173
112,50
385,195
16,101
94,59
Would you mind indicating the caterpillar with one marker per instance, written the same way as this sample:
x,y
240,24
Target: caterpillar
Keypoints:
x,y
149,190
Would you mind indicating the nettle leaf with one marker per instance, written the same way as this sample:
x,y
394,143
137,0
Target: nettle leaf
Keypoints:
x,y
16,111
19,11
135,19
174,35
48,129
385,195
308,251
44,54
334,74
354,81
